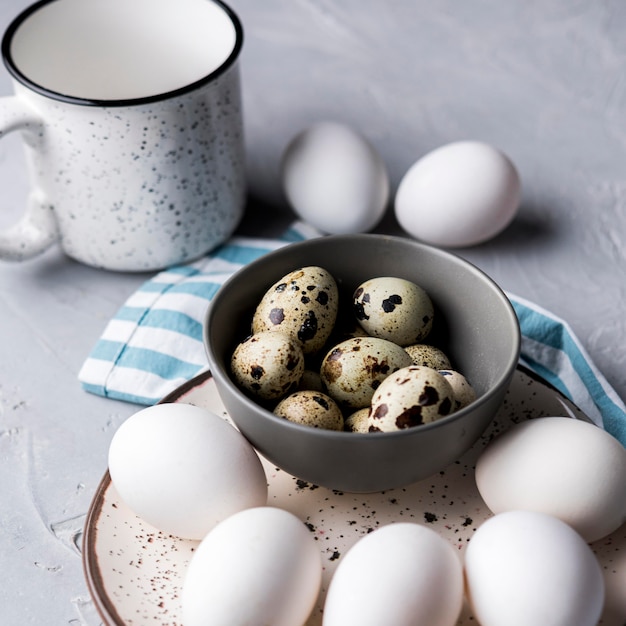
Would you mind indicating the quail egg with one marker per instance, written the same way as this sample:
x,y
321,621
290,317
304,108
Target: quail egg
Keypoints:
x,y
464,393
357,422
409,397
430,356
394,309
352,370
311,408
268,365
302,304
311,381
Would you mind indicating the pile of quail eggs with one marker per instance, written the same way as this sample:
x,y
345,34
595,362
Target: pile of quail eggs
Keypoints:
x,y
364,366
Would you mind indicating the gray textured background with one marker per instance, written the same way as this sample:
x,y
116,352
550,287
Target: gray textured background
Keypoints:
x,y
544,81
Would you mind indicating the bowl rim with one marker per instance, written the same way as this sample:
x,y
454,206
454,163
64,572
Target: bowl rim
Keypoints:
x,y
283,251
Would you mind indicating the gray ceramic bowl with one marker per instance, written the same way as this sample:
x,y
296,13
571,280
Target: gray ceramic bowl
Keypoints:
x,y
474,323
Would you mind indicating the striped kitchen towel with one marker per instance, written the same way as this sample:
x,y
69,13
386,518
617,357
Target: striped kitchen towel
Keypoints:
x,y
551,349
154,342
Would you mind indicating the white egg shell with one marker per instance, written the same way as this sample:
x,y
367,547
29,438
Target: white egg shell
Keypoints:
x,y
335,179
402,574
302,304
353,369
268,364
410,397
394,309
560,466
260,566
311,408
460,194
183,469
524,568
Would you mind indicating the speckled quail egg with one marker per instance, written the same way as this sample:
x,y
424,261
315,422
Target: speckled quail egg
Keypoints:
x,y
302,304
346,326
353,369
357,422
310,381
268,365
464,393
311,408
430,356
410,397
395,309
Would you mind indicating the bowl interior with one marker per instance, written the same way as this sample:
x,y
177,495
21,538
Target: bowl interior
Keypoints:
x,y
474,322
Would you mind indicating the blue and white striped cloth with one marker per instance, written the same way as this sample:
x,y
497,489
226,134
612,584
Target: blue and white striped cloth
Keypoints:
x,y
154,342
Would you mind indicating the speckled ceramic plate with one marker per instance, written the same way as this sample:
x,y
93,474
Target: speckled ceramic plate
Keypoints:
x,y
135,572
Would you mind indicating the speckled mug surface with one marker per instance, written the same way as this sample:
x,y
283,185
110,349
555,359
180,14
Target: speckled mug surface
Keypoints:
x,y
131,118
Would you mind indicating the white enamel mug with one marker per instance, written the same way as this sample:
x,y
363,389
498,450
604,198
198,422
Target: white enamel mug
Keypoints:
x,y
130,111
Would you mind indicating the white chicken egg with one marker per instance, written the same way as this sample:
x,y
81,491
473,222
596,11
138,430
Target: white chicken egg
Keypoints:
x,y
334,179
524,567
183,469
260,566
460,194
561,466
402,574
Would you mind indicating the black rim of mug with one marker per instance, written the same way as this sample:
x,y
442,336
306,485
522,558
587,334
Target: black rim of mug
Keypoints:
x,y
14,70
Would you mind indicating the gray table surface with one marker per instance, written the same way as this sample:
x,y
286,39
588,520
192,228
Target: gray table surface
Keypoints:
x,y
544,81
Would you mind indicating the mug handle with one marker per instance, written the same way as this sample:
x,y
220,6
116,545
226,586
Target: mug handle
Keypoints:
x,y
37,229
